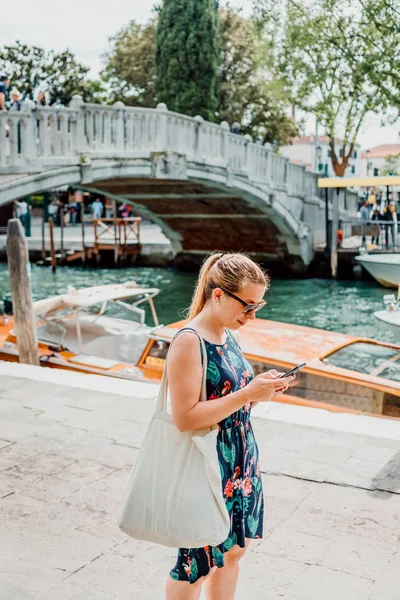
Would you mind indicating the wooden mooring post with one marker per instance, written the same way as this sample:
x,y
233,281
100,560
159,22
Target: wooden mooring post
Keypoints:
x,y
20,280
334,232
52,249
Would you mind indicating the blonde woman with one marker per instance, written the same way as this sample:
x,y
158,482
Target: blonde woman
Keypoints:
x,y
228,294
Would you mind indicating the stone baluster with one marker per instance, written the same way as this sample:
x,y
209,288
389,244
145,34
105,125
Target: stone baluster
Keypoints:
x,y
225,155
79,140
249,159
14,141
3,139
162,133
119,129
199,142
28,131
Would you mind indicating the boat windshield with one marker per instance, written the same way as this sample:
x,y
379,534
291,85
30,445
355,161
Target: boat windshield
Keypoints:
x,y
369,358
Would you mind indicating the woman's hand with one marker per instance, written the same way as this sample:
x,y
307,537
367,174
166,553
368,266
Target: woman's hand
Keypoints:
x,y
267,385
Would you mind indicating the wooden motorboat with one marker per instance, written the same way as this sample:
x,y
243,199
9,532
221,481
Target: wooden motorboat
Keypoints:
x,y
342,372
80,331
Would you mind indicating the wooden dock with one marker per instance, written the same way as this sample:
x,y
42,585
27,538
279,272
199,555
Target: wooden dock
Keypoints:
x,y
115,239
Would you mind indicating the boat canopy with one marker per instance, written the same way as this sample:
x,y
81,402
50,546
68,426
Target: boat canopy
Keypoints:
x,y
90,296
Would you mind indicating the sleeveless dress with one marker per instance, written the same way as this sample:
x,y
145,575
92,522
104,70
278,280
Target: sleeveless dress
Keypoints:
x,y
227,372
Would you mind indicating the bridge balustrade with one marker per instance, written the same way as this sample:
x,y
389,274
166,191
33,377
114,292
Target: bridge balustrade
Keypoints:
x,y
39,137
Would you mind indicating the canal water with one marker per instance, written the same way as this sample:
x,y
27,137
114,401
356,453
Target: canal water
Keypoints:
x,y
344,306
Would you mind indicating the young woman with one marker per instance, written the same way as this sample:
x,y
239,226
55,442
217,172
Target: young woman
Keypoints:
x,y
229,292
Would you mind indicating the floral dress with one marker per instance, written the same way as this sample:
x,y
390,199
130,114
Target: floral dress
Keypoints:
x,y
227,372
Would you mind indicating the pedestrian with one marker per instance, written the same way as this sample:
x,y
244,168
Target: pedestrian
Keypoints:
x,y
73,209
22,211
53,211
97,209
41,98
365,218
4,83
377,228
229,292
388,216
16,100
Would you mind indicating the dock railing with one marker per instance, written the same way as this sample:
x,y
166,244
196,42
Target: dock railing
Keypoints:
x,y
356,233
118,231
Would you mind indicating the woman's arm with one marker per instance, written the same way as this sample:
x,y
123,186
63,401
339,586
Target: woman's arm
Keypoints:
x,y
185,372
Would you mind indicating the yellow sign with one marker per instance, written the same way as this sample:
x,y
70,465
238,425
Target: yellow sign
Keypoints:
x,y
154,361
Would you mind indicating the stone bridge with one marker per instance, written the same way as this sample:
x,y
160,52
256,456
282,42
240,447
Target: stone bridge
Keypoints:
x,y
206,187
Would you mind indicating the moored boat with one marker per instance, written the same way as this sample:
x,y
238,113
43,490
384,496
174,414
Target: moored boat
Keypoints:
x,y
82,330
391,315
385,268
342,373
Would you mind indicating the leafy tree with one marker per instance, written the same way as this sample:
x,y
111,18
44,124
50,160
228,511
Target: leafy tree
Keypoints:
x,y
31,67
248,96
131,70
391,166
187,57
335,60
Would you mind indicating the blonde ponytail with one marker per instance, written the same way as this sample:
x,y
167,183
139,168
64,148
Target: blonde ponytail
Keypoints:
x,y
229,271
199,295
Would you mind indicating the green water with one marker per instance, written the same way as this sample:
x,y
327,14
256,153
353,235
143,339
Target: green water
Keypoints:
x,y
345,306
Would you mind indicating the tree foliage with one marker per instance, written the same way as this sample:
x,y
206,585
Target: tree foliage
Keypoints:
x,y
338,59
391,166
31,67
248,95
187,57
131,70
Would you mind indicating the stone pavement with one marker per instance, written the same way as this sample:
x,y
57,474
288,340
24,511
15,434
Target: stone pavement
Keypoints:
x,y
67,443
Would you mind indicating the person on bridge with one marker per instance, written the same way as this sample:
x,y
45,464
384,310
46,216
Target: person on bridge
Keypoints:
x,y
97,209
4,83
365,218
228,294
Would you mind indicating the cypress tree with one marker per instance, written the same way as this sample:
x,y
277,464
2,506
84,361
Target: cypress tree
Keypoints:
x,y
187,57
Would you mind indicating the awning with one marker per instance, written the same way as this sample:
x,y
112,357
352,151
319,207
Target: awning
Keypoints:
x,y
347,182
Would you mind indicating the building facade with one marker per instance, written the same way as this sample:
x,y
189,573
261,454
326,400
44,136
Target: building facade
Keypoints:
x,y
316,155
373,159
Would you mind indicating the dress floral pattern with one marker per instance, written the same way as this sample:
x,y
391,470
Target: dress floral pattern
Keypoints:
x,y
227,372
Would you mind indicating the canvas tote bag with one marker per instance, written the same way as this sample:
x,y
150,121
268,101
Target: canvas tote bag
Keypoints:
x,y
174,496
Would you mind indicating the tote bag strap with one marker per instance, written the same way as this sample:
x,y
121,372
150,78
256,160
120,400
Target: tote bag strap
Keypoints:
x,y
162,396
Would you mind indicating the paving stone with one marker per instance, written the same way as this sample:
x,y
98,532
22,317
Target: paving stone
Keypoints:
x,y
302,547
315,522
328,454
366,557
377,453
317,583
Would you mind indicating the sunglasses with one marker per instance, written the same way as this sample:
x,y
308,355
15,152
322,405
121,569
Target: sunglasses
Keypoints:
x,y
248,308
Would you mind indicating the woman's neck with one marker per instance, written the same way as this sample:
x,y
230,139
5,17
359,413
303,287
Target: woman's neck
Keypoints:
x,y
209,326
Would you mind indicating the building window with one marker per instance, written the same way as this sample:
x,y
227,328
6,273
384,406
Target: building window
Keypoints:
x,y
353,169
329,153
341,152
355,154
376,172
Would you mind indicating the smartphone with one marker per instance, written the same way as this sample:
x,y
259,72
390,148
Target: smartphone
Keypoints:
x,y
294,370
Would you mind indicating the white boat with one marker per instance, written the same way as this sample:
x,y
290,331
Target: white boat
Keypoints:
x,y
99,329
391,315
385,268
